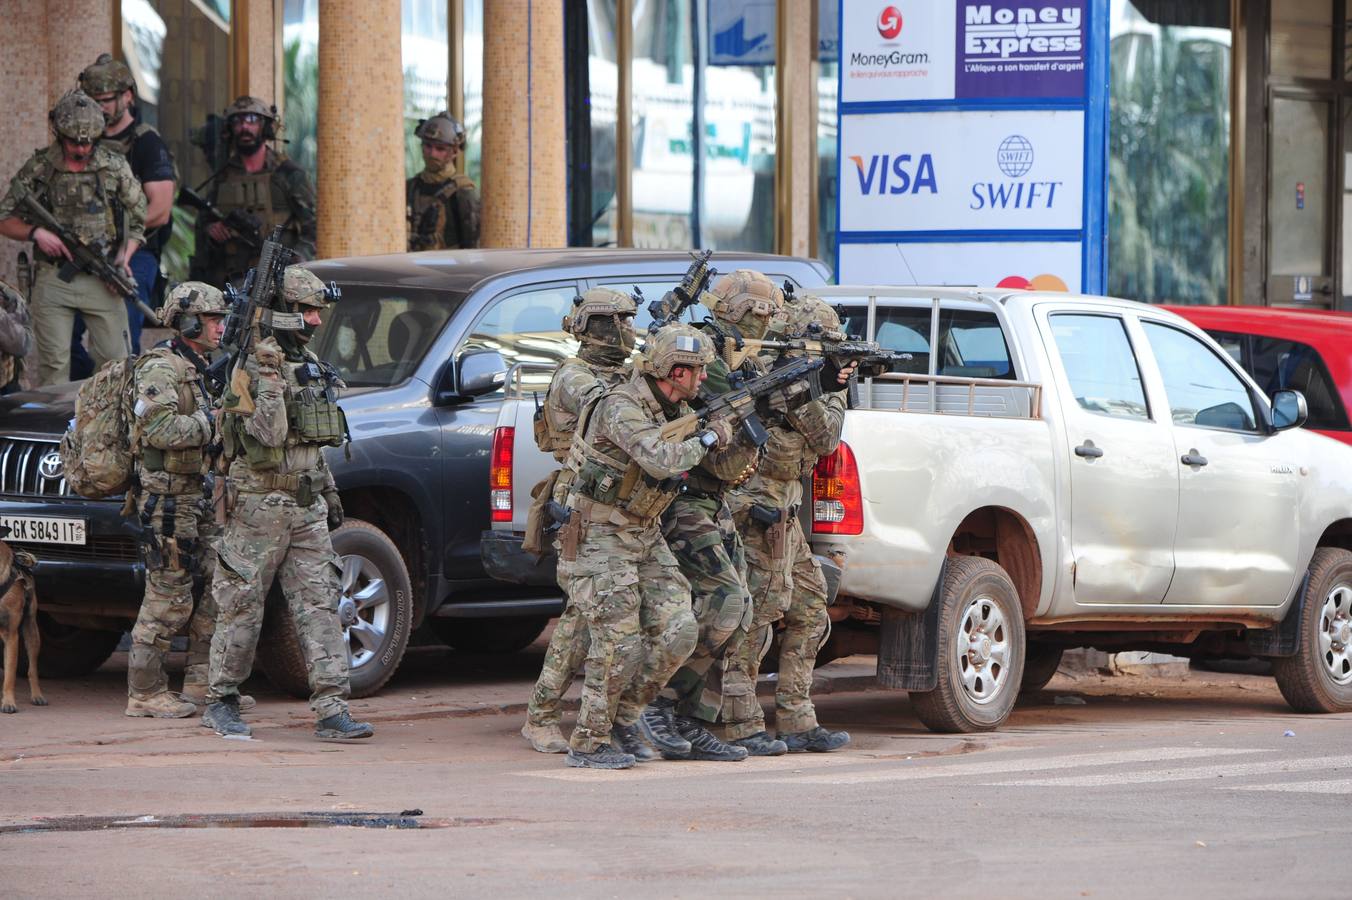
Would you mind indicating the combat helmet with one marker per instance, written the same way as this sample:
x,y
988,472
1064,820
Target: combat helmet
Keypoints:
x,y
674,345
602,303
301,287
744,293
187,302
106,76
443,127
247,105
812,312
78,117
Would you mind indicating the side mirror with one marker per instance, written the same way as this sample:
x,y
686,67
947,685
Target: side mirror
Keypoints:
x,y
1289,410
475,373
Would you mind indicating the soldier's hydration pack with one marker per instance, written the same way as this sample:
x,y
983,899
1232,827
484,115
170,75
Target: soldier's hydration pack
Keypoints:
x,y
96,452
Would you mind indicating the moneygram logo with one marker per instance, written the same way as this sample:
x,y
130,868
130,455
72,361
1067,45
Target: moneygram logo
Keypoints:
x,y
889,22
999,31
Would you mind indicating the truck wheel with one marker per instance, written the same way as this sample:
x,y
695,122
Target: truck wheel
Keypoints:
x,y
69,651
375,610
499,634
1040,662
980,650
1318,679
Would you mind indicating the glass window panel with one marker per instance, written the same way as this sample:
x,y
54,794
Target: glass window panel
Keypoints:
x,y
378,339
663,152
603,76
1301,40
973,346
1100,365
828,54
1169,152
1201,389
300,78
739,152
1297,205
426,63
1280,365
473,75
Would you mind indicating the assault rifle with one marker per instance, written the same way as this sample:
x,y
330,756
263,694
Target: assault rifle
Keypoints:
x,y
835,346
249,311
247,229
739,403
84,258
685,294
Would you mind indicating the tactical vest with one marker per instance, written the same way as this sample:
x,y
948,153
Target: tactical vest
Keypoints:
x,y
619,491
85,202
185,460
429,213
311,418
787,457
259,195
554,424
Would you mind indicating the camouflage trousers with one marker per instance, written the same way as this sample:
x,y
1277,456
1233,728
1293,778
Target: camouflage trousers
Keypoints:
x,y
564,658
786,582
269,535
635,606
187,549
704,540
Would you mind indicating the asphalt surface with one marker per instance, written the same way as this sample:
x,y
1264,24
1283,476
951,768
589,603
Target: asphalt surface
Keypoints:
x,y
1097,787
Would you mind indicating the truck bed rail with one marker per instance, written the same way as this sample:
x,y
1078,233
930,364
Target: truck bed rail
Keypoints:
x,y
952,395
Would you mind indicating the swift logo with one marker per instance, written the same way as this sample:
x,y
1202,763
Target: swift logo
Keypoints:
x,y
873,179
889,22
1015,159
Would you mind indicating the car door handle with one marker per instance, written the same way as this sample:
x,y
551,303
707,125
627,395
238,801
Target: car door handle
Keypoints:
x,y
1088,451
1193,459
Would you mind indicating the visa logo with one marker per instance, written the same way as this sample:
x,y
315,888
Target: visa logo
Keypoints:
x,y
873,178
1014,195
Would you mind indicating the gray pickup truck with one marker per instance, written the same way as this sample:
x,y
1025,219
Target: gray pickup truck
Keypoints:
x,y
425,342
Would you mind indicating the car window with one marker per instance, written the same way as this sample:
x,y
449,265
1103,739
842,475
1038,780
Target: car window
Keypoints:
x,y
1100,364
971,342
526,327
1201,389
1278,364
377,336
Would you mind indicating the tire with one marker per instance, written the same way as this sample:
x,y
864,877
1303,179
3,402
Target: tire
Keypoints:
x,y
499,634
1040,662
1318,679
69,651
980,651
376,608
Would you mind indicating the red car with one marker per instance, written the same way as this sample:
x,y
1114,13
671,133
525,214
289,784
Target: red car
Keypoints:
x,y
1310,352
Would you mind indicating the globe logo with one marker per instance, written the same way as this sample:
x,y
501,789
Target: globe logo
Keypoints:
x,y
1015,156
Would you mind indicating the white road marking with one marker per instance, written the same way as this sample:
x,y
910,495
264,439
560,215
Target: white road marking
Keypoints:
x,y
992,766
1343,786
661,769
1235,770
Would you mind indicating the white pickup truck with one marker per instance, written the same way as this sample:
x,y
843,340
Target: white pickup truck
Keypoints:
x,y
1061,471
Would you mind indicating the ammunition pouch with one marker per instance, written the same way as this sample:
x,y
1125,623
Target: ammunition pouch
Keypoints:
x,y
238,442
538,518
316,420
187,461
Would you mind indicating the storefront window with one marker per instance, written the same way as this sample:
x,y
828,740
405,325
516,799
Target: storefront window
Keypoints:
x,y
739,124
179,54
300,77
663,115
1169,151
603,80
473,75
425,69
827,176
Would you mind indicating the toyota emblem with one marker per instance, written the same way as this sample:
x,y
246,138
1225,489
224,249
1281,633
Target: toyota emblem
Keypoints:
x,y
49,466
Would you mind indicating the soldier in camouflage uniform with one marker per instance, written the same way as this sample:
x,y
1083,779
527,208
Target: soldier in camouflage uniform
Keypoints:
x,y
16,337
285,504
171,436
786,582
442,204
602,320
265,186
92,192
700,531
613,563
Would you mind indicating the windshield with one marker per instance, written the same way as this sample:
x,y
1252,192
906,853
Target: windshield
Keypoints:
x,y
377,336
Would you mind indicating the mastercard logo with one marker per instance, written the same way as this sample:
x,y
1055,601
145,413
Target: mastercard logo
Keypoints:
x,y
1036,283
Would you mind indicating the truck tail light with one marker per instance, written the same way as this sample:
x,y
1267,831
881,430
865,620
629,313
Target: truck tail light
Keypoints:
x,y
500,474
837,502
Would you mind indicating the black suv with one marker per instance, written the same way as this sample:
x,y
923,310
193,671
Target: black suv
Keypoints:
x,y
424,342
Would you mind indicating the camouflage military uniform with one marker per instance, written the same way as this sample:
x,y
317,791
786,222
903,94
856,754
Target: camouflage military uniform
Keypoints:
x,y
16,335
443,211
613,563
104,206
785,581
278,526
279,194
172,431
577,383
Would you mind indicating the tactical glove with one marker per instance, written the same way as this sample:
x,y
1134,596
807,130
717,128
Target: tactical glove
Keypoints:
x,y
335,508
269,354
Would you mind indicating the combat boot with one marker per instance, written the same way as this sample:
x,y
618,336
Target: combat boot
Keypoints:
x,y
223,716
629,739
761,744
544,738
163,705
603,757
816,740
196,694
340,727
659,728
703,744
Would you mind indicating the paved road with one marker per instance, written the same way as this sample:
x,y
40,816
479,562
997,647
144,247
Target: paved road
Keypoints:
x,y
1161,787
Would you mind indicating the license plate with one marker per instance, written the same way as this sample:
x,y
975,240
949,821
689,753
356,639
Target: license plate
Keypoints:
x,y
45,529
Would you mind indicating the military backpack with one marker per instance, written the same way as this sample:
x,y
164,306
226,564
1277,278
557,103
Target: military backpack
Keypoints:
x,y
96,452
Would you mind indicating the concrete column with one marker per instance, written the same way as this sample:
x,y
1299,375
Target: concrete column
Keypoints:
x,y
77,32
23,94
361,128
254,50
795,132
525,196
